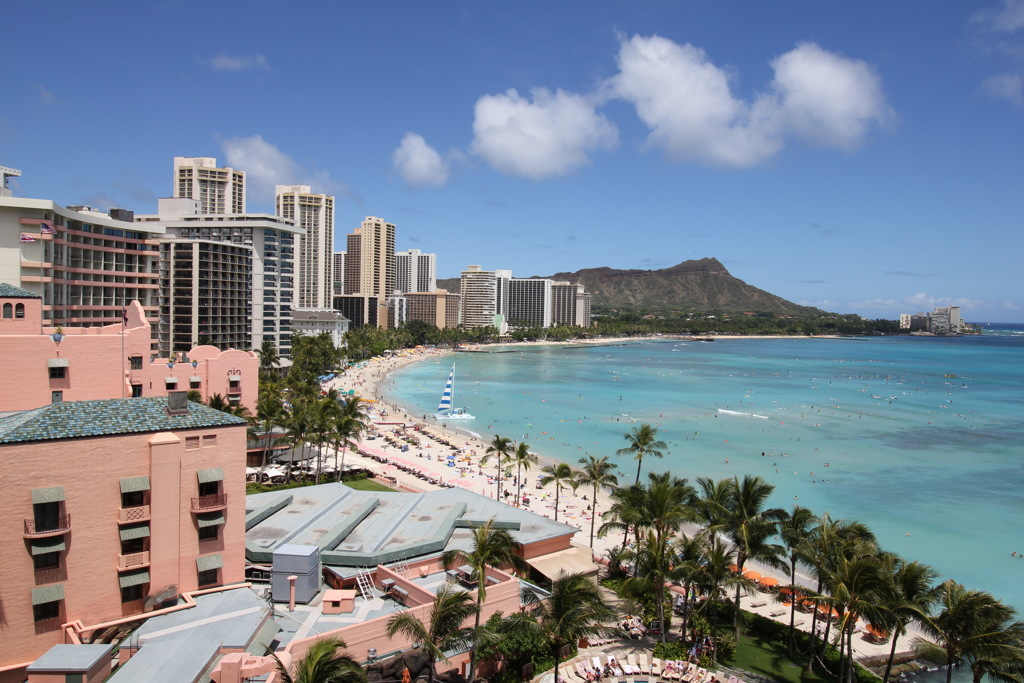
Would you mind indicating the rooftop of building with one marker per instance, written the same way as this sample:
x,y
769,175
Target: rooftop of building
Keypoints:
x,y
11,292
306,314
183,645
365,528
77,419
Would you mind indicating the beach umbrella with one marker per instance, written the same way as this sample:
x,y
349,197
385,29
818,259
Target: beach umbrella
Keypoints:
x,y
734,568
768,581
751,574
879,633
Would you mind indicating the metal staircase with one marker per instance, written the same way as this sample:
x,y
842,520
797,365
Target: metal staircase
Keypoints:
x,y
401,567
365,581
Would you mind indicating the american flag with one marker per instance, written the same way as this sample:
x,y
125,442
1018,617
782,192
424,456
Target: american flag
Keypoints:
x,y
47,228
27,238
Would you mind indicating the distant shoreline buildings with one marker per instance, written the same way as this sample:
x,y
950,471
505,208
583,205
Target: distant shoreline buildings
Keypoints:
x,y
942,322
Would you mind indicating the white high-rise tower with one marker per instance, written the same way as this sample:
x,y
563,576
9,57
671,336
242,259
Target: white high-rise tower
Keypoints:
x,y
315,214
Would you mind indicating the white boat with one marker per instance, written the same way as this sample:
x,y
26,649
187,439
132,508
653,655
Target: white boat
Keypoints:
x,y
445,411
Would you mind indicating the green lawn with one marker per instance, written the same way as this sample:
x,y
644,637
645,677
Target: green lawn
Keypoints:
x,y
366,485
769,659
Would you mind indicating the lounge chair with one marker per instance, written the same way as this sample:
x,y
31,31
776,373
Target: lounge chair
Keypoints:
x,y
645,668
631,660
656,667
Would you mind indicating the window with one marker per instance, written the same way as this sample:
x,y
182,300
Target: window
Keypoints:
x,y
58,373
8,311
195,385
208,577
47,516
133,545
135,362
133,593
133,499
46,560
209,533
136,390
46,610
209,441
210,488
191,444
19,311
56,396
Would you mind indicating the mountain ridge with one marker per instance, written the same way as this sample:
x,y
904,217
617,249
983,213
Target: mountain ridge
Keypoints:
x,y
697,285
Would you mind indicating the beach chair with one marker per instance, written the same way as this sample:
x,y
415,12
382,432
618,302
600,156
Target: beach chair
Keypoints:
x,y
645,668
597,663
633,666
656,667
583,668
733,679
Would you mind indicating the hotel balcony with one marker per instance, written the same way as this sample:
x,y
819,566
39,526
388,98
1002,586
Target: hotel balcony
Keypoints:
x,y
210,503
133,560
139,513
52,527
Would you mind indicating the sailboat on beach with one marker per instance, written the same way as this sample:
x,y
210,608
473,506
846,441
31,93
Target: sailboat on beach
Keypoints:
x,y
445,411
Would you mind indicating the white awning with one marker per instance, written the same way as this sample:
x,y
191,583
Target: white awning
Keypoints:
x,y
573,559
56,362
171,380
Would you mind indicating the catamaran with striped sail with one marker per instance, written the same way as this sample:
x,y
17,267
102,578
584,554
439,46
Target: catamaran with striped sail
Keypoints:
x,y
445,411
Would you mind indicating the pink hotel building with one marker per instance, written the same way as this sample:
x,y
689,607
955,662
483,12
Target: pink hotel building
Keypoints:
x,y
113,508
112,361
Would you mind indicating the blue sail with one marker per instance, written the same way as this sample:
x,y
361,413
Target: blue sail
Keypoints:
x,y
446,397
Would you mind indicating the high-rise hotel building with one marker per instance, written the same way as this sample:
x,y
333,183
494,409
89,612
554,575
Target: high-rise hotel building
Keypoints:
x,y
339,273
86,265
218,190
370,269
415,271
314,213
485,297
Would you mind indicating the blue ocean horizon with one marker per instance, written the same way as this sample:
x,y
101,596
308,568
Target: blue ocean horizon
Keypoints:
x,y
921,438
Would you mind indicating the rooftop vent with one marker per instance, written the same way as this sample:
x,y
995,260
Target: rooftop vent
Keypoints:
x,y
177,403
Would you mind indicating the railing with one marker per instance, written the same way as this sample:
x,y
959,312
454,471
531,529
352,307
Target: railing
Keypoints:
x,y
133,560
210,502
234,389
60,525
139,513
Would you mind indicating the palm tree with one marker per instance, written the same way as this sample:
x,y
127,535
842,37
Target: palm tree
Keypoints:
x,y
973,627
523,459
624,512
642,441
856,582
575,609
443,630
794,529
500,448
324,664
270,413
912,593
269,357
350,421
654,559
596,472
559,473
218,402
491,546
748,525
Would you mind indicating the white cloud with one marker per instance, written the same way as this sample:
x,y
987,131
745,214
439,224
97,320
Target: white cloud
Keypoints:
x,y
223,62
1008,18
266,166
418,163
826,98
912,303
1005,87
46,97
548,136
688,103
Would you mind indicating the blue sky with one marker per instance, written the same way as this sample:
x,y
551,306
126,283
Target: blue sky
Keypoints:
x,y
863,157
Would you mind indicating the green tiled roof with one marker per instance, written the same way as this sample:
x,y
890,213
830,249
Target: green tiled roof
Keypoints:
x,y
46,594
76,419
210,519
211,475
207,562
12,292
134,531
134,579
42,546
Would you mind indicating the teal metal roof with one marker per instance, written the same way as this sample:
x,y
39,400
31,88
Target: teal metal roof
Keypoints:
x,y
53,494
210,519
210,475
76,419
130,533
12,292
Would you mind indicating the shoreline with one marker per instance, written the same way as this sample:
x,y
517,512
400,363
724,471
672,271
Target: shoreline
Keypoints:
x,y
430,457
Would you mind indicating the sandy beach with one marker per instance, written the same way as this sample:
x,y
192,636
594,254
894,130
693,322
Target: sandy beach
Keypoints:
x,y
415,454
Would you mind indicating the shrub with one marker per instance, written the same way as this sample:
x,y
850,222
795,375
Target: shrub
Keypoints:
x,y
670,650
725,646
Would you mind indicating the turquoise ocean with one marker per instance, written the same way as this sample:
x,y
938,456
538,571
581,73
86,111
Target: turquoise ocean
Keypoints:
x,y
920,438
